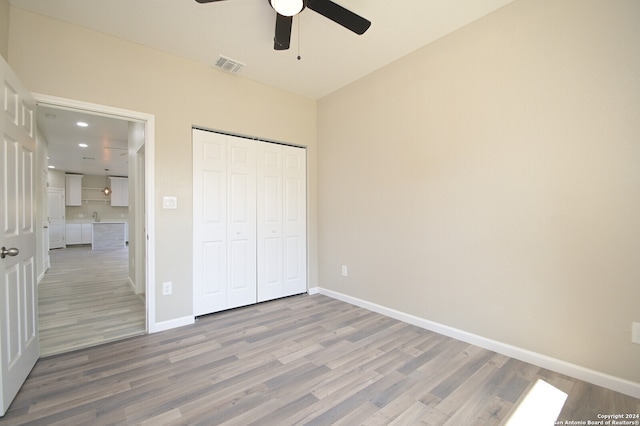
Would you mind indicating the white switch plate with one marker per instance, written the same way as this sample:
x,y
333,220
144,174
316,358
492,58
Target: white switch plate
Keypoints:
x,y
344,270
635,332
167,288
169,202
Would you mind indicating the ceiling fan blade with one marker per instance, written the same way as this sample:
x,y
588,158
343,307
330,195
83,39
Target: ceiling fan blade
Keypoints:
x,y
282,39
207,1
340,15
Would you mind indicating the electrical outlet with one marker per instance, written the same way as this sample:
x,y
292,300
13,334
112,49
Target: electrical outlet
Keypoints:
x,y
167,288
344,270
635,332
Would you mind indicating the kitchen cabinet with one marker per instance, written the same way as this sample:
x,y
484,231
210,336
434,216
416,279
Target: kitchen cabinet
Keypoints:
x,y
73,233
78,233
119,191
73,190
87,233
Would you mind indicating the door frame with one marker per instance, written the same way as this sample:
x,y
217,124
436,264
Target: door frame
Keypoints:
x,y
148,220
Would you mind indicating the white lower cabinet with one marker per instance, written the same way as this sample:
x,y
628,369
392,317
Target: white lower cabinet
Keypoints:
x,y
249,221
87,233
78,233
73,233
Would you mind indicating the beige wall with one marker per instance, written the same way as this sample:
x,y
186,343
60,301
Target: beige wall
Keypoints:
x,y
4,28
59,59
491,182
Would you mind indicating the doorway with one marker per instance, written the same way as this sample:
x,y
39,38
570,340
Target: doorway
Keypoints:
x,y
136,259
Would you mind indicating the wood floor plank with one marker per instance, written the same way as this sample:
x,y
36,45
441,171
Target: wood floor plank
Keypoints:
x,y
301,360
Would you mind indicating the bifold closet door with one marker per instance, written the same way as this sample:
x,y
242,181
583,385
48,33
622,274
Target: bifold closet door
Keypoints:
x,y
224,258
281,214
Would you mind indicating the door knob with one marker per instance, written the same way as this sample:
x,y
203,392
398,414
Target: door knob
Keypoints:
x,y
8,252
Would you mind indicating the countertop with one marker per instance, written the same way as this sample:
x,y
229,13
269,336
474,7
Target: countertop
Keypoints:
x,y
81,221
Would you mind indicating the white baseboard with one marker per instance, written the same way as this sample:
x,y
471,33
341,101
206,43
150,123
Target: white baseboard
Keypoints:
x,y
597,378
168,325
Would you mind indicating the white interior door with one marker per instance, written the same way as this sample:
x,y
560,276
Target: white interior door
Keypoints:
x,y
294,176
209,222
224,254
241,223
56,218
19,349
270,222
250,228
281,221
43,249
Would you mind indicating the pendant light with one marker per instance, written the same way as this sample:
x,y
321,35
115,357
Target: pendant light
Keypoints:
x,y
106,190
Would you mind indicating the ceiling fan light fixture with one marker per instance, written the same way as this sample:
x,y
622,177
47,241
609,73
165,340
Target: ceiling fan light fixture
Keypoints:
x,y
287,7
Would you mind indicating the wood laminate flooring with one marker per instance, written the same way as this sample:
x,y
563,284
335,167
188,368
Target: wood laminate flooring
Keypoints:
x,y
301,360
85,299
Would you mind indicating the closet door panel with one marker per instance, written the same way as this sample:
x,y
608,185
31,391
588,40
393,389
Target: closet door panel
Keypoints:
x,y
214,272
295,220
210,222
249,221
270,238
241,222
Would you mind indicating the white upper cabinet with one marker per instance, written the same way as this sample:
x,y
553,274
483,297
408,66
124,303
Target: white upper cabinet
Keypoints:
x,y
73,193
119,191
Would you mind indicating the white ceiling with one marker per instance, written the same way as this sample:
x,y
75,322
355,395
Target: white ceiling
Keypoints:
x,y
331,56
106,137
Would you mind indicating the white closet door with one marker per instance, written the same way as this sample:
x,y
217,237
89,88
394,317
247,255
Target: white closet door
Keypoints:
x,y
281,221
210,222
224,229
249,221
241,223
270,222
294,174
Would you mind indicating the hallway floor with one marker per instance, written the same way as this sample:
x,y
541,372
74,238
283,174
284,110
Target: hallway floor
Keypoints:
x,y
85,300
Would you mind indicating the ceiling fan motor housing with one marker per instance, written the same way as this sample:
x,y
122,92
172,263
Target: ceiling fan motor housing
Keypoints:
x,y
287,7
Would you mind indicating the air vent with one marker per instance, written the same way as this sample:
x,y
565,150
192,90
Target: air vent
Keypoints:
x,y
229,65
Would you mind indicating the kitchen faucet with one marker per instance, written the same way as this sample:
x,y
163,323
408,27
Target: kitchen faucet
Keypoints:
x,y
95,216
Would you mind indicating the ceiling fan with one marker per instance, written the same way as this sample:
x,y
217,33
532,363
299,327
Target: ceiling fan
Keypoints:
x,y
287,9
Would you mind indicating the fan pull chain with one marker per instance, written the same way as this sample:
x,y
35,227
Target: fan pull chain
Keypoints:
x,y
299,22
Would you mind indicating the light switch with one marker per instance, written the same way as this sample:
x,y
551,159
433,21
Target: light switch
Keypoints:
x,y
169,202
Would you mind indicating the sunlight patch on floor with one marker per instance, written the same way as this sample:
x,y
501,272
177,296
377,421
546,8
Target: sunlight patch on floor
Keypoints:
x,y
541,406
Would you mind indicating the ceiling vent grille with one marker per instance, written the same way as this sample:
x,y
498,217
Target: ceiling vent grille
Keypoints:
x,y
229,65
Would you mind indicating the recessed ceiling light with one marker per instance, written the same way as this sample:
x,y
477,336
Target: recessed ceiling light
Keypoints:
x,y
52,167
82,124
83,145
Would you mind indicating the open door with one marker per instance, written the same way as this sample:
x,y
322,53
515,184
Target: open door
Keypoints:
x,y
56,218
19,348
